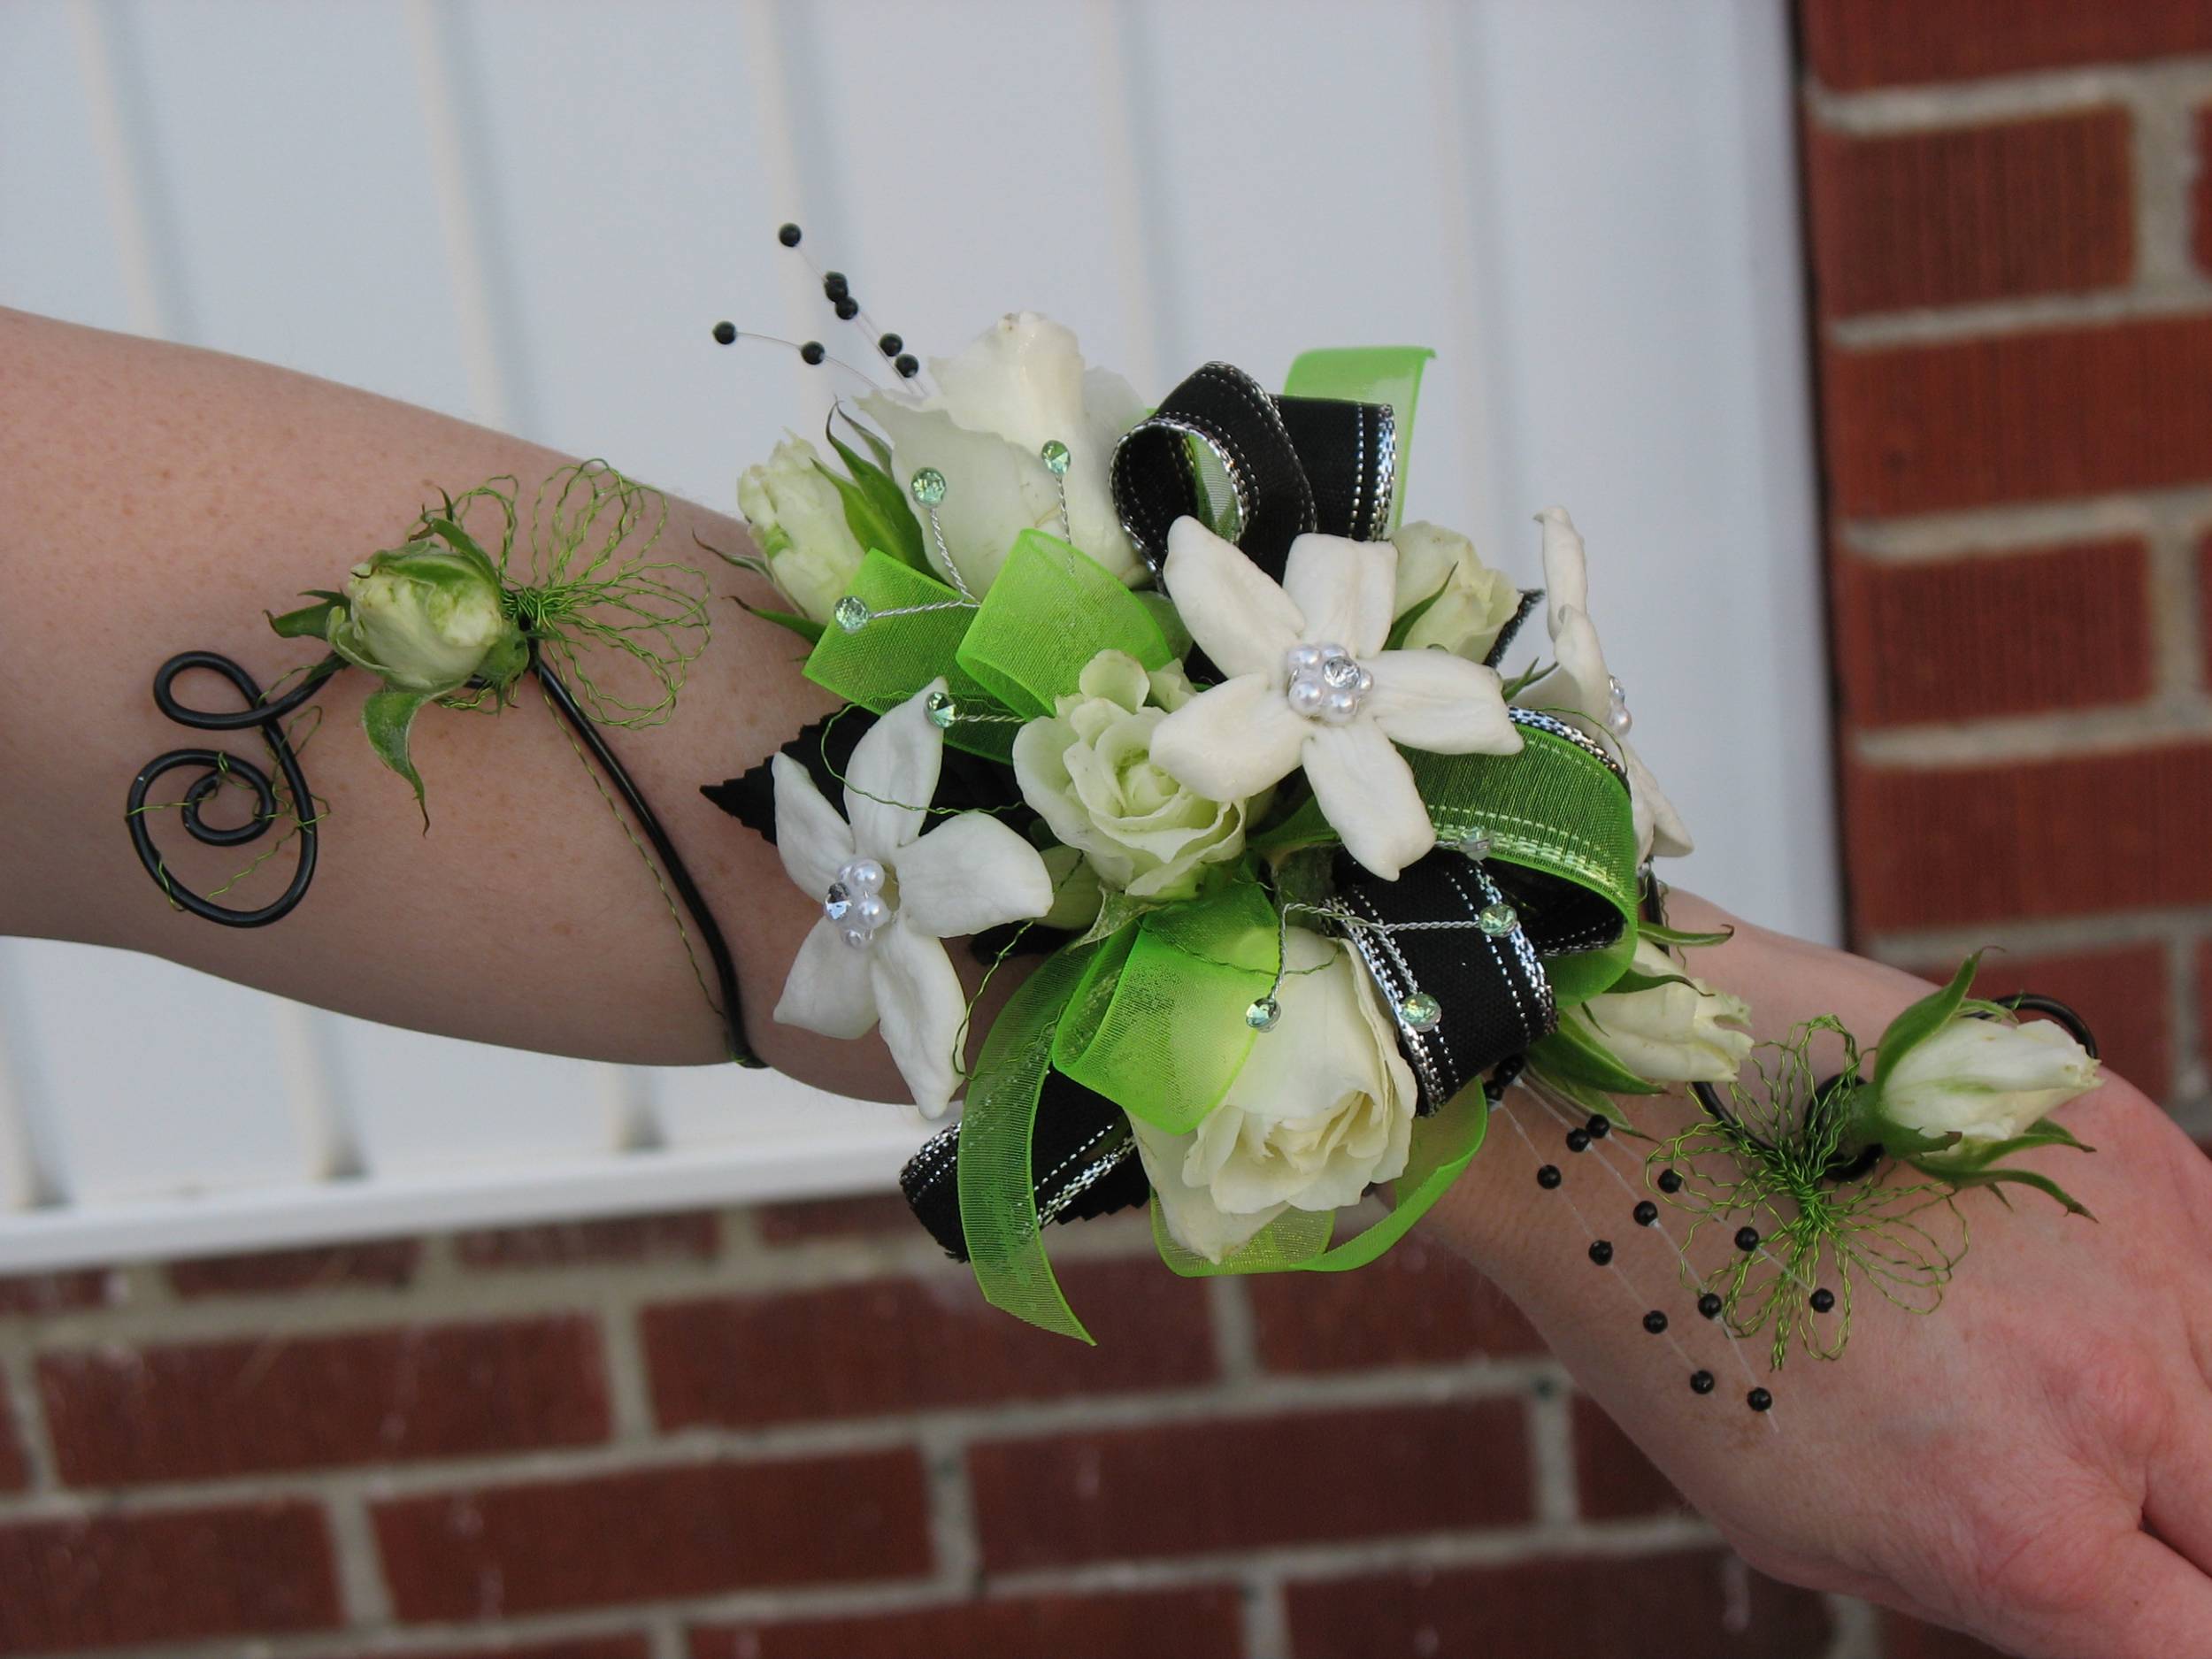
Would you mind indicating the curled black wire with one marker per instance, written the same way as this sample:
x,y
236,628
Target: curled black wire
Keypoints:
x,y
217,768
268,719
1849,1167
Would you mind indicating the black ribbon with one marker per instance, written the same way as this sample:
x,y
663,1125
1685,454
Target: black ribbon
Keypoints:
x,y
1291,464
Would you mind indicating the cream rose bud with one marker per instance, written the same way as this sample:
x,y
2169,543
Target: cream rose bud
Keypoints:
x,y
799,519
1322,1111
1086,769
1985,1079
426,618
1469,602
1670,1033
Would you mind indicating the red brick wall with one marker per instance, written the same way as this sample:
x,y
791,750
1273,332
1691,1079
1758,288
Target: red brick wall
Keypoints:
x,y
2012,260
796,1432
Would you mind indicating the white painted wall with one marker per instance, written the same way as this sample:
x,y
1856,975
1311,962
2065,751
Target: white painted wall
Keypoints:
x,y
529,212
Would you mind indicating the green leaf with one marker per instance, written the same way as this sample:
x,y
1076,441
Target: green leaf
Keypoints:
x,y
1304,827
1681,941
1520,682
806,627
309,622
1574,1051
460,541
875,506
1632,980
877,446
1403,625
1922,1021
1593,1101
1115,911
389,717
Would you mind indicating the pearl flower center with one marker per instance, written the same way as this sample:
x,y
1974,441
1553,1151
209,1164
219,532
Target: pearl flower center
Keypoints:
x,y
858,903
1325,683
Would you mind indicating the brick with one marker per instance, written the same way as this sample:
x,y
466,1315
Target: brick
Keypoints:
x,y
2122,994
1606,1608
171,1576
15,1471
383,1263
208,1409
633,1645
2027,416
1614,1481
1958,214
694,1529
1905,1637
1199,1621
1243,1483
863,1215
898,1344
1420,1304
2069,837
1967,638
37,1294
693,1236
1855,43
2200,232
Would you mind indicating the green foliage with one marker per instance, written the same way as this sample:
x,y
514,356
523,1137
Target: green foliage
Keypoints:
x,y
388,717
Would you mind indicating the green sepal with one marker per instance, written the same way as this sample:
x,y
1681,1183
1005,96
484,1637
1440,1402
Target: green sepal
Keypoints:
x,y
1404,625
875,507
806,627
1115,911
1574,1052
389,717
1593,1101
1682,941
1922,1021
1998,1179
461,543
1632,981
309,622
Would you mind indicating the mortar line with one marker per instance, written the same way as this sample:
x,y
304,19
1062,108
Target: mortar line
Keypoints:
x,y
362,1593
2063,90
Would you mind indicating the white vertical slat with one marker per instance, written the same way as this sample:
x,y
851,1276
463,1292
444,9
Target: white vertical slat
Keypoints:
x,y
110,125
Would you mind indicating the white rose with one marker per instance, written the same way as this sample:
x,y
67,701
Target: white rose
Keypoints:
x,y
1020,385
1670,1033
1322,1111
1985,1079
798,519
426,618
1088,771
1468,601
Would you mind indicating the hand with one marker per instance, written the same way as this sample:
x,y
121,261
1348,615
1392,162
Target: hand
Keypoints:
x,y
2031,1463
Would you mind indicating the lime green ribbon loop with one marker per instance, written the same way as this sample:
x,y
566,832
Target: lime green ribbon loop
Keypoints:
x,y
998,1198
1444,1144
1158,1024
887,658
1367,374
1049,610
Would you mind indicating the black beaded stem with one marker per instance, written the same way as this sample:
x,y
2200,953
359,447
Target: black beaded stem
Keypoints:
x,y
266,717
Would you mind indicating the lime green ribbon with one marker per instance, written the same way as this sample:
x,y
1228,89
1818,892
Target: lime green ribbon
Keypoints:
x,y
1158,1024
1051,609
998,1194
1443,1145
887,658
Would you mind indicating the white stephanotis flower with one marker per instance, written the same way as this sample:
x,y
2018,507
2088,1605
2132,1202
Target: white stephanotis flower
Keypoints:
x,y
1309,685
890,895
1020,384
1580,684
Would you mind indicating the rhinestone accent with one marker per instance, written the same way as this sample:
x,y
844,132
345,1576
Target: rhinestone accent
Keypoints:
x,y
929,487
1420,1012
1325,682
850,613
837,900
855,902
1477,845
1497,918
1263,1014
1056,457
941,709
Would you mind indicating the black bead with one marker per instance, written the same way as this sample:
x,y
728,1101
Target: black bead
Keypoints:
x,y
812,352
1821,1300
1598,1126
848,309
1700,1382
1710,1305
1747,1238
907,364
1759,1400
890,345
726,334
1550,1177
834,285
1600,1252
1646,1213
1578,1139
1670,1180
788,235
1654,1322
